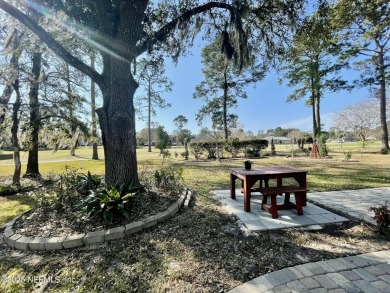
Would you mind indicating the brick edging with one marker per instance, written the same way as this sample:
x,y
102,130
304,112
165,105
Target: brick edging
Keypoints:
x,y
21,242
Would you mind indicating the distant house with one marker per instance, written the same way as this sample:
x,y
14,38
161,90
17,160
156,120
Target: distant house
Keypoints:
x,y
278,139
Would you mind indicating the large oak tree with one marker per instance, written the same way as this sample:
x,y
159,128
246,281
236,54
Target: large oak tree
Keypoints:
x,y
123,30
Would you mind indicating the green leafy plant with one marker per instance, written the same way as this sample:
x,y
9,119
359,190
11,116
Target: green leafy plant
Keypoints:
x,y
382,218
232,146
169,180
165,154
72,186
322,147
185,155
197,150
348,155
88,181
110,203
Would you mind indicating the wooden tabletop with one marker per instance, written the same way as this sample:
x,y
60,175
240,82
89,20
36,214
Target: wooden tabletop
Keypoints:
x,y
267,170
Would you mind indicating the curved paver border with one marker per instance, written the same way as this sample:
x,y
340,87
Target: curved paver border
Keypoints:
x,y
21,242
369,272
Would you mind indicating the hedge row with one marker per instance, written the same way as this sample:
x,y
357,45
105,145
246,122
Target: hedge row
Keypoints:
x,y
251,148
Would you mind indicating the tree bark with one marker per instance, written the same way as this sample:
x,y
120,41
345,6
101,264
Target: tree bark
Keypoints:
x,y
95,154
4,99
32,163
117,123
225,98
149,118
14,132
74,133
315,96
313,107
8,89
382,97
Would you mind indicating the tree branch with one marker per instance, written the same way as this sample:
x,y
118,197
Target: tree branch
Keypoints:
x,y
52,43
162,33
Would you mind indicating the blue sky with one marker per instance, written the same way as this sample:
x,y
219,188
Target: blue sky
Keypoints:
x,y
265,108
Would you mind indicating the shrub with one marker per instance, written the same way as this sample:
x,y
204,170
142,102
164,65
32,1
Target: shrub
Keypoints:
x,y
382,218
88,182
348,155
273,150
250,147
165,154
196,150
322,148
185,154
169,180
232,146
112,203
384,151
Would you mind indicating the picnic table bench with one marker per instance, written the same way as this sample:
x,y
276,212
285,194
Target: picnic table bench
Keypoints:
x,y
273,192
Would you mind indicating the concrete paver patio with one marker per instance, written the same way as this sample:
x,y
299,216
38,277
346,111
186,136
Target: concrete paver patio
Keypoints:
x,y
259,220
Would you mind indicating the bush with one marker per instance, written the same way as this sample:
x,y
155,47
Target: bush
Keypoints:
x,y
348,155
169,180
88,182
322,148
382,218
112,203
384,151
196,150
232,146
251,147
185,154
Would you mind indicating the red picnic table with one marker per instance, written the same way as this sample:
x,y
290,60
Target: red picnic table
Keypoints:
x,y
263,175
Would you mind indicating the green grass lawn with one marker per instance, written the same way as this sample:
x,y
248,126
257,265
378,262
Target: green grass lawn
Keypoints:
x,y
366,169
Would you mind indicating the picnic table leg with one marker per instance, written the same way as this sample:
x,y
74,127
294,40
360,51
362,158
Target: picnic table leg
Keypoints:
x,y
301,179
274,206
232,186
247,195
287,198
299,198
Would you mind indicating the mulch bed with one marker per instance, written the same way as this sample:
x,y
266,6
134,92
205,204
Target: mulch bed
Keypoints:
x,y
47,220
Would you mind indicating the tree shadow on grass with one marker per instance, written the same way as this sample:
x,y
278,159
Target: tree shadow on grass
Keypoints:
x,y
14,205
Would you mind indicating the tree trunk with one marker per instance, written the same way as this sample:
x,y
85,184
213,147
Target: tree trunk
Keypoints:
x,y
382,97
32,163
149,118
75,142
7,92
315,96
117,122
15,139
225,98
4,99
95,154
317,113
312,100
317,88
